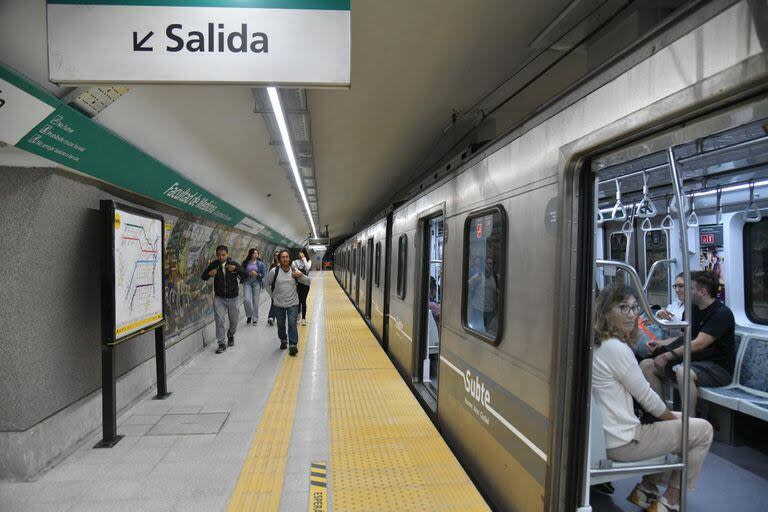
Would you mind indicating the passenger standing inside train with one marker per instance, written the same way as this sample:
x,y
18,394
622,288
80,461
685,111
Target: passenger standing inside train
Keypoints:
x,y
281,284
253,286
483,297
303,289
271,315
676,309
225,273
712,343
616,380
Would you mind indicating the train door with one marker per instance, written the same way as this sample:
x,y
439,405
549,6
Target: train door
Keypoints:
x,y
358,270
678,207
369,283
429,302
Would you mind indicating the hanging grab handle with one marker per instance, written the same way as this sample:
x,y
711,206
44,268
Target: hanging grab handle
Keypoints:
x,y
646,225
719,218
668,222
600,218
645,208
752,214
693,219
618,212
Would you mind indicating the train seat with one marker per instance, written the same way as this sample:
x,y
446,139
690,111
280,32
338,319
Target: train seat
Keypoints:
x,y
598,457
748,393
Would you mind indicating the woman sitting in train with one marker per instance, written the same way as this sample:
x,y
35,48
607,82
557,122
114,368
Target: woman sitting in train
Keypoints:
x,y
616,379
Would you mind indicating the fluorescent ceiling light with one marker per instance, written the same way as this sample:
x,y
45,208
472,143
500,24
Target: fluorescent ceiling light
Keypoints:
x,y
278,110
317,247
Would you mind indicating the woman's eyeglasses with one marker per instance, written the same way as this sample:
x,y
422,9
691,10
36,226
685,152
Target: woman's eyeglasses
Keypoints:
x,y
626,309
678,286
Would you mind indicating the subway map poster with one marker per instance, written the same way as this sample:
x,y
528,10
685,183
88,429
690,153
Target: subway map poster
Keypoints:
x,y
138,250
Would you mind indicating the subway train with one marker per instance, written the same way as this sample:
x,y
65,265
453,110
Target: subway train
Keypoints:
x,y
480,284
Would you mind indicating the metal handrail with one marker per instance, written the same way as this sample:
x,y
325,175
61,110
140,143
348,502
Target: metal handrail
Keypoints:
x,y
653,269
629,269
634,469
678,185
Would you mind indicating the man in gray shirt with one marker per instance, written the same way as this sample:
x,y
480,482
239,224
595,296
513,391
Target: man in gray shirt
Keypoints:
x,y
281,285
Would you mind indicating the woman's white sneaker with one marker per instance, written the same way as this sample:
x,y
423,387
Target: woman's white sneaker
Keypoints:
x,y
303,321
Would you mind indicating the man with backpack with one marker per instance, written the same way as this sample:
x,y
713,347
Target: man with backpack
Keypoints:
x,y
281,286
226,274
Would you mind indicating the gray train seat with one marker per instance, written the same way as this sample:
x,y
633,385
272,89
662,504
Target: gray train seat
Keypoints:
x,y
748,393
598,458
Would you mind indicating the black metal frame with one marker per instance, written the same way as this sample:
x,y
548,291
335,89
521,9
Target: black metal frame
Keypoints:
x,y
748,299
498,208
108,322
402,269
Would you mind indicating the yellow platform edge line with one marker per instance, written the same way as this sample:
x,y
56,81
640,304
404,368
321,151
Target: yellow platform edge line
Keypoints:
x,y
386,455
260,483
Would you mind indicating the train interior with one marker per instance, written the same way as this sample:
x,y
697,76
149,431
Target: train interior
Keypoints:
x,y
724,217
431,298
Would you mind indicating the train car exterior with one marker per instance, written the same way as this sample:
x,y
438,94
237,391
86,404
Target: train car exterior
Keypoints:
x,y
491,269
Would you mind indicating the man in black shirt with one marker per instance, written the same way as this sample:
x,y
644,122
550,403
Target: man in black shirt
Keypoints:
x,y
226,274
712,342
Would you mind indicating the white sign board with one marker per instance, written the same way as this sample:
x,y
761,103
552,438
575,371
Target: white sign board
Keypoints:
x,y
290,42
138,272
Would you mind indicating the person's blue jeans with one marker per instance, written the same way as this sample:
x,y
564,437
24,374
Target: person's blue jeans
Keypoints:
x,y
252,291
290,314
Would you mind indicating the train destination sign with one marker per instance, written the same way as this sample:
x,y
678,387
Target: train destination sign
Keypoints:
x,y
288,42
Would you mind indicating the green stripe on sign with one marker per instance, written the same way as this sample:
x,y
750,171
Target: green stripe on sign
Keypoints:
x,y
317,5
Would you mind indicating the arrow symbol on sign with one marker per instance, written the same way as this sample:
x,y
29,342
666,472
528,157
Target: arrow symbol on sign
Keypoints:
x,y
138,46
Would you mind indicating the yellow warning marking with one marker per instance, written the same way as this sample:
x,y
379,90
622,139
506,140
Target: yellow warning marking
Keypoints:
x,y
261,479
318,487
385,452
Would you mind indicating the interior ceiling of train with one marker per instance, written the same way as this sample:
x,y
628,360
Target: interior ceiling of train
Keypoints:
x,y
424,75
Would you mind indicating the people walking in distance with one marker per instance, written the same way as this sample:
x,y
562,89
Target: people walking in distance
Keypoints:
x,y
281,285
271,315
303,265
227,275
253,286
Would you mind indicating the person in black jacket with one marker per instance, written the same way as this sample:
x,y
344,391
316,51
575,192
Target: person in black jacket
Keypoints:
x,y
226,274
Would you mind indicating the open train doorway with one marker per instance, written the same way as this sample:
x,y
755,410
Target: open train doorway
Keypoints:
x,y
368,271
430,302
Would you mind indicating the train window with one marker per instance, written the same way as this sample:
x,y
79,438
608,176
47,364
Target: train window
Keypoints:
x,y
756,270
402,251
377,265
362,263
656,249
485,235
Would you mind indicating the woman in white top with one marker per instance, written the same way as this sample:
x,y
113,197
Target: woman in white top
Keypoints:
x,y
676,309
303,265
616,379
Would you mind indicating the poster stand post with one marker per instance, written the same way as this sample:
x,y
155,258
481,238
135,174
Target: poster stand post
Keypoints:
x,y
162,376
108,398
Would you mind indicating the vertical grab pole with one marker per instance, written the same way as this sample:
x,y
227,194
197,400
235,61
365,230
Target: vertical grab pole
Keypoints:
x,y
677,184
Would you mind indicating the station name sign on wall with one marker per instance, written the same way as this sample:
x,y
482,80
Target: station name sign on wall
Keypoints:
x,y
276,42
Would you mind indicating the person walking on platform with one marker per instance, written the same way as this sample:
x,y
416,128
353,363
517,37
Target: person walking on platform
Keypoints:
x,y
271,315
253,286
225,273
302,289
281,285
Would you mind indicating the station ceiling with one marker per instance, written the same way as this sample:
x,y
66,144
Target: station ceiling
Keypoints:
x,y
413,65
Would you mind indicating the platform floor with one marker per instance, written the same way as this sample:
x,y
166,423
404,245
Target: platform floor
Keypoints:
x,y
242,431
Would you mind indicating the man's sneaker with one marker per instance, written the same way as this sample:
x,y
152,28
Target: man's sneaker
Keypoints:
x,y
231,342
255,322
293,350
283,345
303,321
248,321
271,321
221,348
642,497
661,505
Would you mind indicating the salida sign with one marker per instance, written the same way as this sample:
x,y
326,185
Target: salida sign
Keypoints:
x,y
294,42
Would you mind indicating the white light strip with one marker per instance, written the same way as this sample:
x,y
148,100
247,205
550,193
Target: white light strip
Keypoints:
x,y
278,110
317,247
734,188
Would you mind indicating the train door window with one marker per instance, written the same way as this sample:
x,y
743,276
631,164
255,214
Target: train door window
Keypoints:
x,y
362,264
756,271
402,252
656,249
617,248
377,266
432,286
485,234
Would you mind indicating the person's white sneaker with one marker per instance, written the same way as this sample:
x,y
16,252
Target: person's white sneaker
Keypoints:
x,y
303,321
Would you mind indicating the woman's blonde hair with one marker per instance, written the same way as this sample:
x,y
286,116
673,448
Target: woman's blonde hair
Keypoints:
x,y
609,297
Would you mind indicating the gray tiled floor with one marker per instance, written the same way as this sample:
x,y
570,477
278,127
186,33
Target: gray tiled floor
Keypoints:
x,y
185,453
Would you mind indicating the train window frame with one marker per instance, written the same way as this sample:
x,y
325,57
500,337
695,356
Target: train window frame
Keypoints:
x,y
377,265
748,293
498,208
402,262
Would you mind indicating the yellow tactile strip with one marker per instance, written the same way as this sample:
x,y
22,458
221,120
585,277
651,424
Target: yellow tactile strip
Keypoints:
x,y
261,479
385,452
